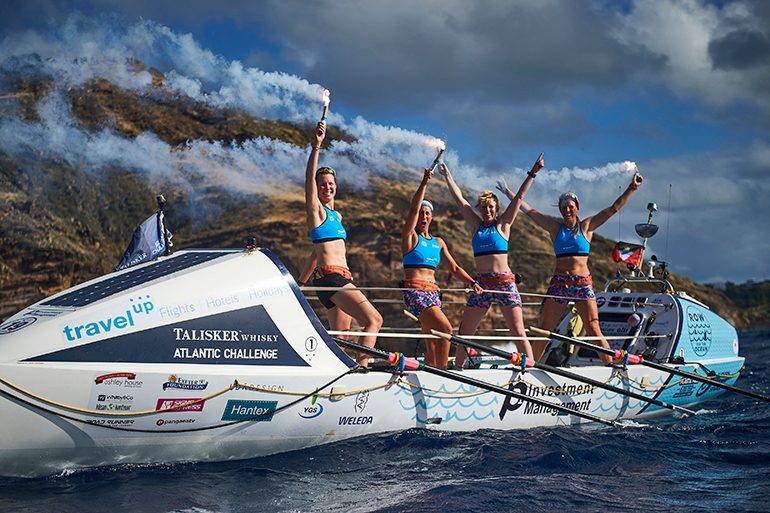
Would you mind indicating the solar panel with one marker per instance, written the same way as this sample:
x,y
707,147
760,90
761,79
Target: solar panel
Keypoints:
x,y
105,288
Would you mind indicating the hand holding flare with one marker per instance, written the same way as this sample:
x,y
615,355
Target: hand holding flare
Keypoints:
x,y
441,146
637,179
325,98
436,162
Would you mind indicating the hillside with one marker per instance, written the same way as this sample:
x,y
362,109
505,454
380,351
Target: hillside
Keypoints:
x,y
62,225
752,299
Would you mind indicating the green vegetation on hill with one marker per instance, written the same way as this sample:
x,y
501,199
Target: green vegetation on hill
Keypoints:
x,y
749,294
753,300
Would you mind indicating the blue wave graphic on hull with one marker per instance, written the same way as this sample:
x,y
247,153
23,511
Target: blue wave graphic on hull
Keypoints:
x,y
432,402
455,416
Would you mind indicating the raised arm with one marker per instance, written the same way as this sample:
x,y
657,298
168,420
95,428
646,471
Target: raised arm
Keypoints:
x,y
466,209
313,206
408,234
509,215
458,272
594,222
547,223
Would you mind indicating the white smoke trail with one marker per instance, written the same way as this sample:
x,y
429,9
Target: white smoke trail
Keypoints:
x,y
83,49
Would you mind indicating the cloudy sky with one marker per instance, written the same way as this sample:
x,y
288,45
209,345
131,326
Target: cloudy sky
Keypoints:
x,y
682,88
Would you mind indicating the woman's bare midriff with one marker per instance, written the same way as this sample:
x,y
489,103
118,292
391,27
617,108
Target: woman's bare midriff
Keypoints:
x,y
420,274
331,253
492,264
572,266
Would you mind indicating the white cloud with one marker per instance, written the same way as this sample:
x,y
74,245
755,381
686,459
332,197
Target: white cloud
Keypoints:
x,y
681,31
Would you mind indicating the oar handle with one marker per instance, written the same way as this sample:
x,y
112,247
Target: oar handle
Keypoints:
x,y
616,354
390,357
514,358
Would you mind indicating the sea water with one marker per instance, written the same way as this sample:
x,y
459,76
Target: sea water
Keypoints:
x,y
717,460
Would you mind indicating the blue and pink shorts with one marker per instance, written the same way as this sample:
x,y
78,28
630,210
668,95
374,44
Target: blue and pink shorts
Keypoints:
x,y
416,300
510,293
569,288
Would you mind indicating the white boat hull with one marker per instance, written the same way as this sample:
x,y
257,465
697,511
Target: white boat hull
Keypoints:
x,y
224,360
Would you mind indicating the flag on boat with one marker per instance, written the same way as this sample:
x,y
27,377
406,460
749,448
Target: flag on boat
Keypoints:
x,y
147,243
628,253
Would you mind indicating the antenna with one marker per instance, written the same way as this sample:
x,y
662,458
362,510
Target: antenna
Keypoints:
x,y
668,220
646,230
620,212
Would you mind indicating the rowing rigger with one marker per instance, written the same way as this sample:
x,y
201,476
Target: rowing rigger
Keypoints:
x,y
398,359
636,359
520,360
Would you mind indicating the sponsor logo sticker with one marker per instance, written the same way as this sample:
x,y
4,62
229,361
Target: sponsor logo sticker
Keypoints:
x,y
10,327
256,411
165,422
311,412
176,383
176,404
699,329
362,399
119,379
350,421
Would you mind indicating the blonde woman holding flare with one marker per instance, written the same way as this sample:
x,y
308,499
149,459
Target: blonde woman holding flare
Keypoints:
x,y
422,252
328,264
572,280
490,248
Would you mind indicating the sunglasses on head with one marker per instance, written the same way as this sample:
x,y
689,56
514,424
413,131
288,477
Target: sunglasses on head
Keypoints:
x,y
569,195
325,171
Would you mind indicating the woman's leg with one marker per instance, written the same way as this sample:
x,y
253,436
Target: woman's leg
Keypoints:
x,y
515,321
353,302
339,321
436,349
472,317
590,315
552,313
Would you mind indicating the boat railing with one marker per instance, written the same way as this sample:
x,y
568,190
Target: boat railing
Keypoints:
x,y
617,283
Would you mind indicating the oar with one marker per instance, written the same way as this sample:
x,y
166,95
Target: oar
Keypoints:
x,y
616,354
516,359
412,364
638,359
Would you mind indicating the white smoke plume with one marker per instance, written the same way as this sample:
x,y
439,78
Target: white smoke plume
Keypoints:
x,y
83,49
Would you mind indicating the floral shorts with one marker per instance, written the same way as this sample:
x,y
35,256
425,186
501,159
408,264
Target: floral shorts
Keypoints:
x,y
418,300
510,297
567,288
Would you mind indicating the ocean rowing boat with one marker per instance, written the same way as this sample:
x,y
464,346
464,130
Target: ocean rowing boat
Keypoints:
x,y
211,355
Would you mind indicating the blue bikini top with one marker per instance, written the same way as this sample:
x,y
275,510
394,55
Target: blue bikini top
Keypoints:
x,y
426,254
488,241
330,229
567,244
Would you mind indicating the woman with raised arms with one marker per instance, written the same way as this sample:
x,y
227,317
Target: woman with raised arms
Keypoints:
x,y
491,231
572,280
328,263
422,253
